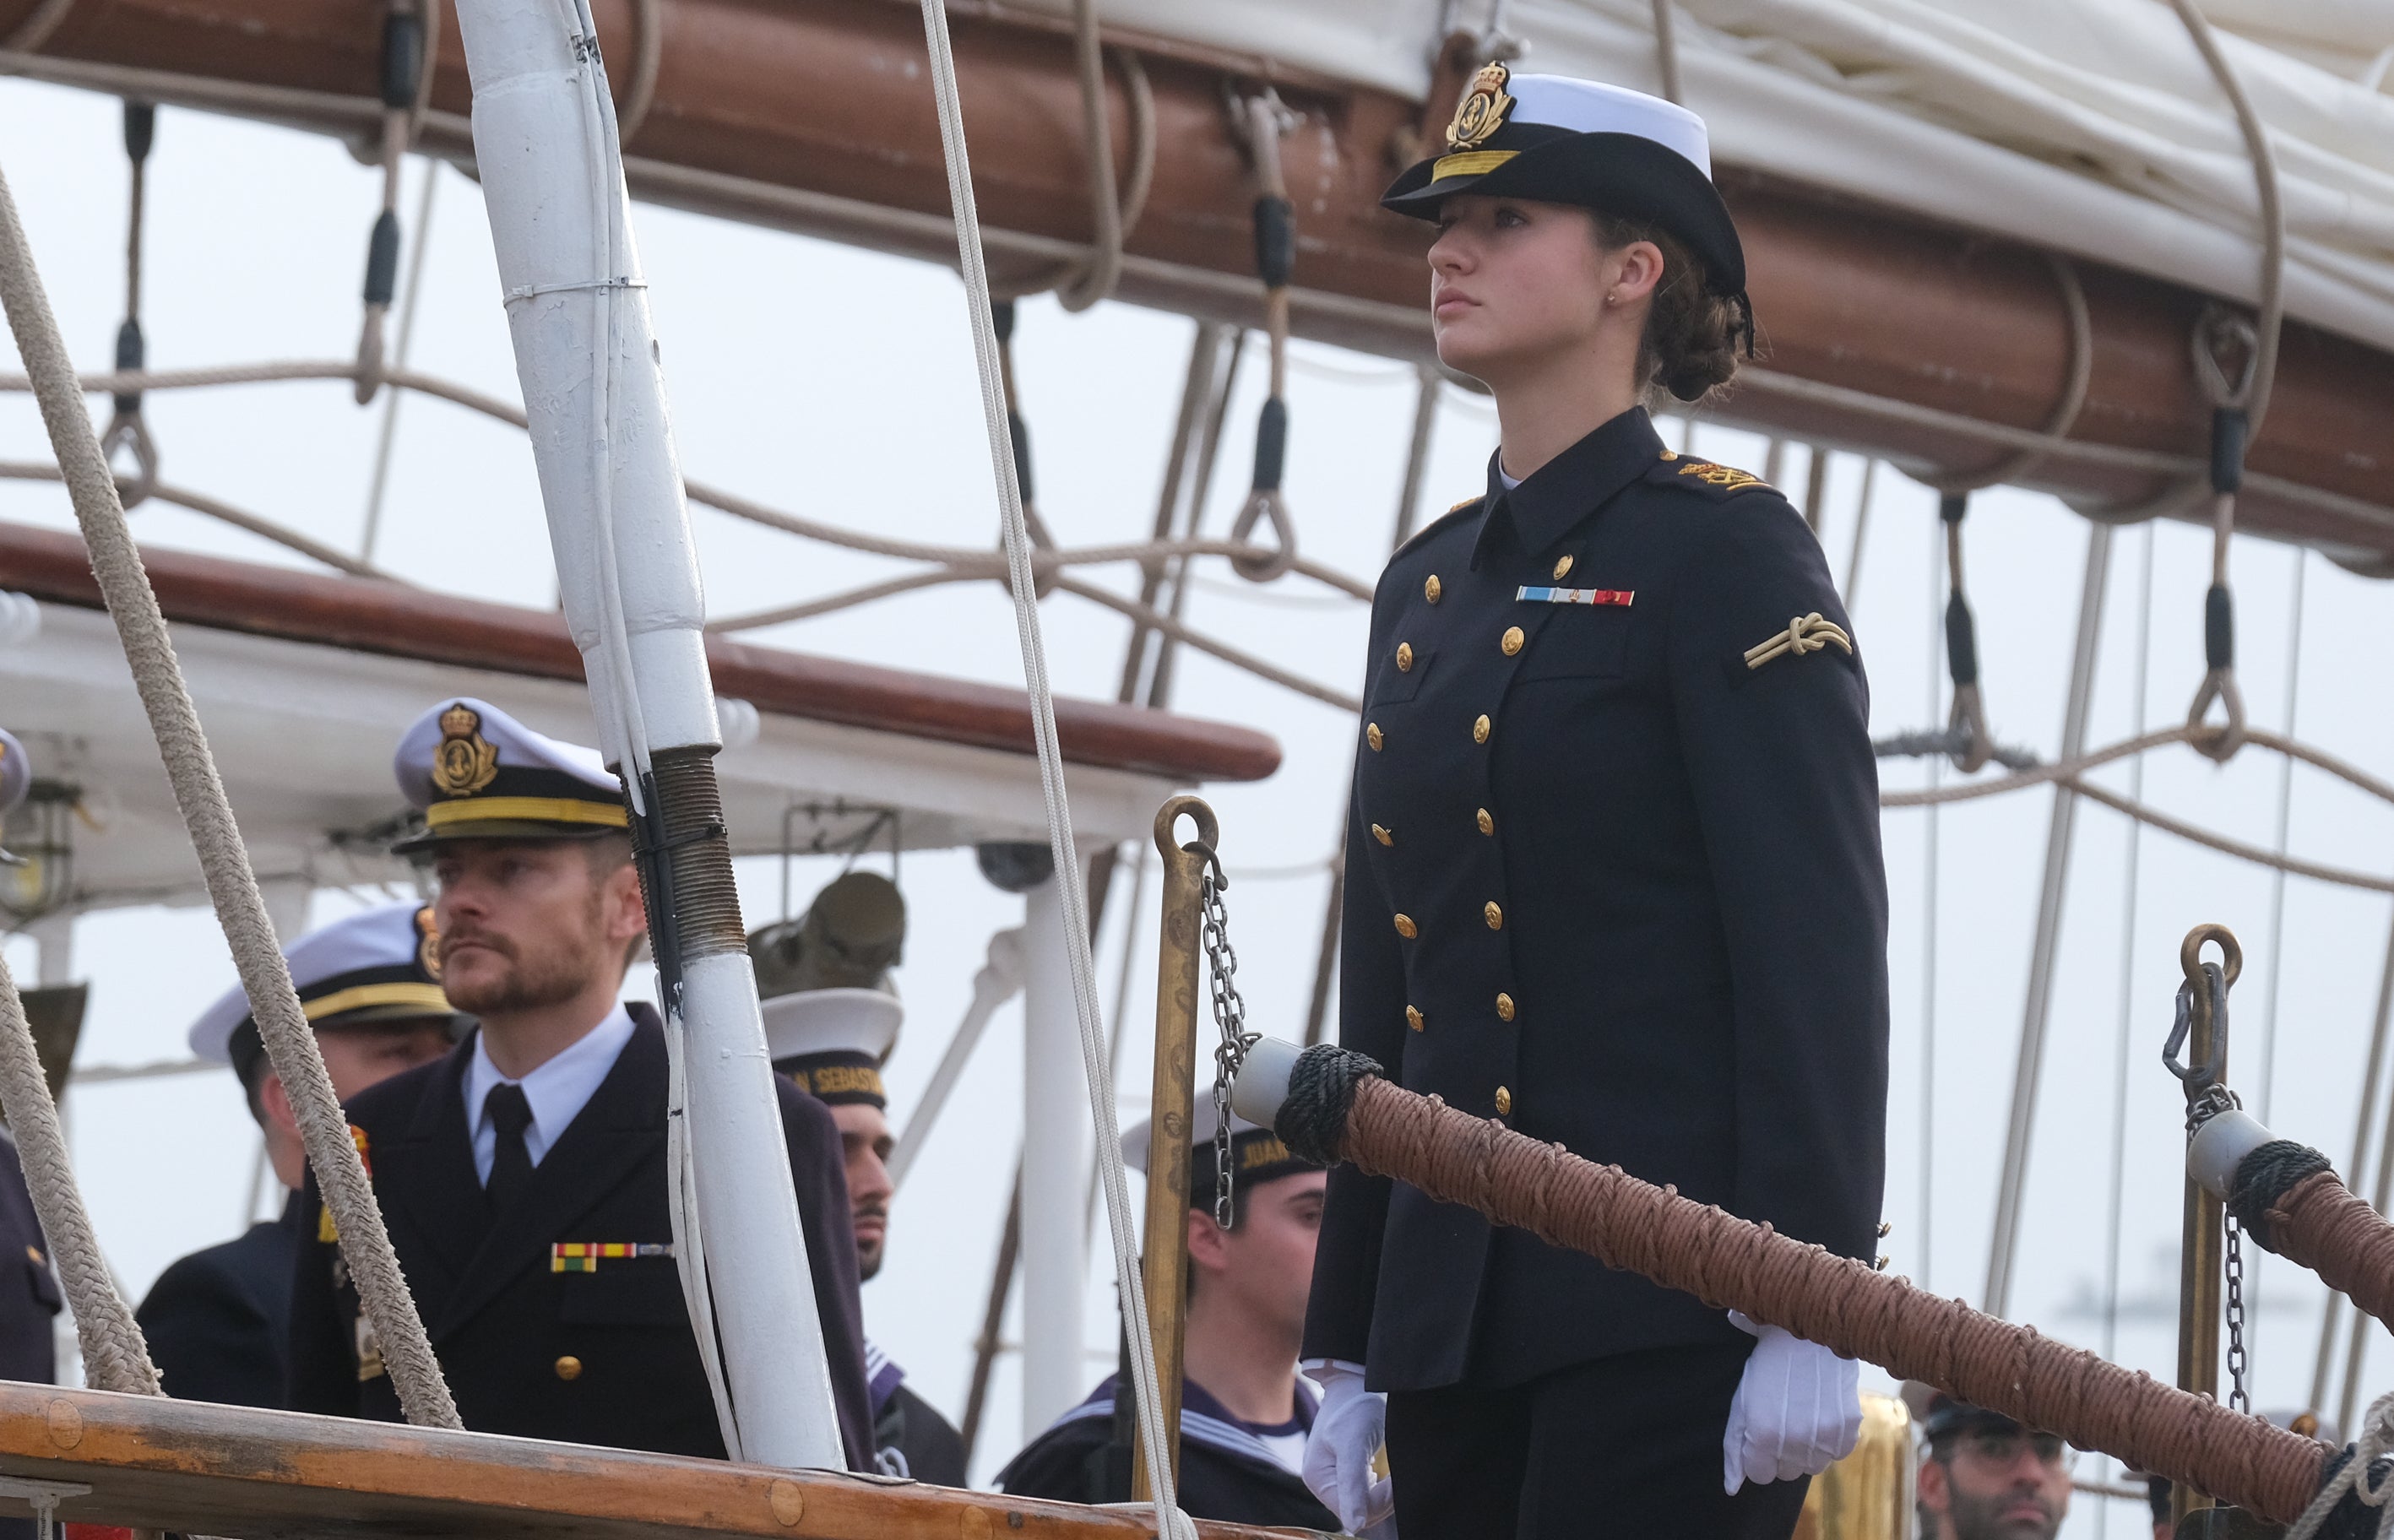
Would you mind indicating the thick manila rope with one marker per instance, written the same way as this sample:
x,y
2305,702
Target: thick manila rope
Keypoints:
x,y
1340,1107
1170,1522
114,1356
216,838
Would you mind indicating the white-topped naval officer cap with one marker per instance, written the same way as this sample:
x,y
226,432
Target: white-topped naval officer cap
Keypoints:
x,y
1593,107
477,773
382,964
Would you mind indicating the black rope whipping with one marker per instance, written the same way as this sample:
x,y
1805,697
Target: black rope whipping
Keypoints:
x,y
1966,724
1312,1122
2267,1175
1017,438
2351,1519
127,431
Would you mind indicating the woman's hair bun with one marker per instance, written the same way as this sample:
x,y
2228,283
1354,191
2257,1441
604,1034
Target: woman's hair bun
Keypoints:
x,y
1691,334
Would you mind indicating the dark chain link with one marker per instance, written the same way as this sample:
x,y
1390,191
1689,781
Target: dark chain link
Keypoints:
x,y
1231,1016
2239,1398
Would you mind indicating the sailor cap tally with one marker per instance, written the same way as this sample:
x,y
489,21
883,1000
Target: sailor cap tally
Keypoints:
x,y
832,1012
1549,138
478,773
383,965
1256,1154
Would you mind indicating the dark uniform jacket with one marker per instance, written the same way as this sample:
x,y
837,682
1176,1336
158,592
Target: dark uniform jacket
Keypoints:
x,y
910,1438
220,1320
1612,886
603,1356
1227,1473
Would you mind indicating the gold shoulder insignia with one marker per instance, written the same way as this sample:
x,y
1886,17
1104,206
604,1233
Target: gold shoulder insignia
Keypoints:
x,y
465,761
1458,507
1804,634
1724,477
1481,110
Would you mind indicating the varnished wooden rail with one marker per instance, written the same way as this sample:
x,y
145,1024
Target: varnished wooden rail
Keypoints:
x,y
194,1468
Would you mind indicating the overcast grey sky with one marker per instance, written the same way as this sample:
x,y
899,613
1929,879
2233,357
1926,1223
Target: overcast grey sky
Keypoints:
x,y
839,384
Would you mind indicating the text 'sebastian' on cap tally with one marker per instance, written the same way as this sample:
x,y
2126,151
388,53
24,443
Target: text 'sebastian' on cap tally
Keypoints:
x,y
1552,140
477,773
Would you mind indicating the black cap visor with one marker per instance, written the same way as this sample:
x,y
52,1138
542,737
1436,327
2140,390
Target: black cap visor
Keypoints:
x,y
1623,174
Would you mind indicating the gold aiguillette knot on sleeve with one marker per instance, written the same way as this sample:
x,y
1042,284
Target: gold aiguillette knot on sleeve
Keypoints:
x,y
1804,634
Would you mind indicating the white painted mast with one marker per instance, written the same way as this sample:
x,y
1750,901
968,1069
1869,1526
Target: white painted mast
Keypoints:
x,y
545,143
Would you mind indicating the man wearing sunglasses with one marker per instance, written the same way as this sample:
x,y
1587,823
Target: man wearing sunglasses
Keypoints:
x,y
1987,1478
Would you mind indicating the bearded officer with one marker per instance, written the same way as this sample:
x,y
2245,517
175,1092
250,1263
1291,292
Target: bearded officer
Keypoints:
x,y
523,1177
832,1016
219,1319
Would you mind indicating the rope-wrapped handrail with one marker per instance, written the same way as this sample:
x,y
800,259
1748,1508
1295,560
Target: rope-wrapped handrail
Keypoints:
x,y
1839,1302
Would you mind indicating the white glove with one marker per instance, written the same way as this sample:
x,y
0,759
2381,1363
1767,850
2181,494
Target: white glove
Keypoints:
x,y
1347,1431
1798,1409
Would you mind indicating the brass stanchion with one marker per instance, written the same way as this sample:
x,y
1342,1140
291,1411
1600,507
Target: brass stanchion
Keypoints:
x,y
1163,1261
2201,1239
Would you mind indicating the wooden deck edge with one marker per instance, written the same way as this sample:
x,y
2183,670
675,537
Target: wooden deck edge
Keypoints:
x,y
194,1467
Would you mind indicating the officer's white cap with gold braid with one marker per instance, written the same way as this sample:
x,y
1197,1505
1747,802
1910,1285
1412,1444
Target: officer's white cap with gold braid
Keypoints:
x,y
1550,138
380,966
477,773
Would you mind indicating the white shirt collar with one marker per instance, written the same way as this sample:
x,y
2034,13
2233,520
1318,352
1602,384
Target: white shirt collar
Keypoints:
x,y
556,1090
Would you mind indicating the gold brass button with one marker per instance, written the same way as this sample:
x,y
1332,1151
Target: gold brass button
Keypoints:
x,y
1372,736
1406,928
1487,825
1430,589
1670,453
1383,836
1404,657
1513,639
1413,1018
1504,1006
1563,568
568,1367
1503,1102
1478,729
1495,916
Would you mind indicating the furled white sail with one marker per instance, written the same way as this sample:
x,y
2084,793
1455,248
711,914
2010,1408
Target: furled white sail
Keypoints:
x,y
2089,125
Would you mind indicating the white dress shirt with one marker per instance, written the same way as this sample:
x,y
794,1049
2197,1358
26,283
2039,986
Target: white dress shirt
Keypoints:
x,y
557,1091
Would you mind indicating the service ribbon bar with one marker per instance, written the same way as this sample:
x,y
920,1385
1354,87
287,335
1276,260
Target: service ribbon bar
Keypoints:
x,y
582,1255
1622,596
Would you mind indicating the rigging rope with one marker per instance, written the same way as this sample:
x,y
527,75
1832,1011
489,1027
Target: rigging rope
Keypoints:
x,y
127,430
1969,716
2371,1086
216,838
2123,1029
1157,1442
1667,52
1018,432
402,74
1265,121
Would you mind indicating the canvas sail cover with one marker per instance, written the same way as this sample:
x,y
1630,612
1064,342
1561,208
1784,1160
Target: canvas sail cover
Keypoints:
x,y
2091,126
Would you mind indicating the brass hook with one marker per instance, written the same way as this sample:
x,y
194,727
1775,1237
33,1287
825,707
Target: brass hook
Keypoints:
x,y
1209,831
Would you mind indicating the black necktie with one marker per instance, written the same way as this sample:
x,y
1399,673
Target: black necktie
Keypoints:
x,y
512,1168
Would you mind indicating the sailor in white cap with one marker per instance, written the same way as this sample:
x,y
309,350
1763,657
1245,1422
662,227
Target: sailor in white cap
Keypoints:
x,y
1245,1413
1615,878
523,1177
832,1015
218,1320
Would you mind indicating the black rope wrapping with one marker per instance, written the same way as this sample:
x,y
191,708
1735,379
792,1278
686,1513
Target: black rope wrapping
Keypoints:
x,y
140,132
2267,1175
2351,1519
1312,1122
1961,628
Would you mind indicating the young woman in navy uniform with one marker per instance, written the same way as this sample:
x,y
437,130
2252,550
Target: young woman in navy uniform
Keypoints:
x,y
1618,881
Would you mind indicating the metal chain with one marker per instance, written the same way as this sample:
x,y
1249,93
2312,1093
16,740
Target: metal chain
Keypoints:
x,y
2239,1398
1231,1016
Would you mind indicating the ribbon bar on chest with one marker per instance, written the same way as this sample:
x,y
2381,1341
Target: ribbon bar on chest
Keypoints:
x,y
1622,596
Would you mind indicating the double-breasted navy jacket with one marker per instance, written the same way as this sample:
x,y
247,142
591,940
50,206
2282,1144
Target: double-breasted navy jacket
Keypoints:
x,y
1612,882
589,1350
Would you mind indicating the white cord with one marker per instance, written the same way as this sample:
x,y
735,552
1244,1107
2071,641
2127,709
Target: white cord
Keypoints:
x,y
689,1242
1170,1522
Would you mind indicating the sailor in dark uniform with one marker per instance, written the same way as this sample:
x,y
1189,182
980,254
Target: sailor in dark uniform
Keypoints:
x,y
832,1016
219,1319
1615,875
1244,1413
523,1177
